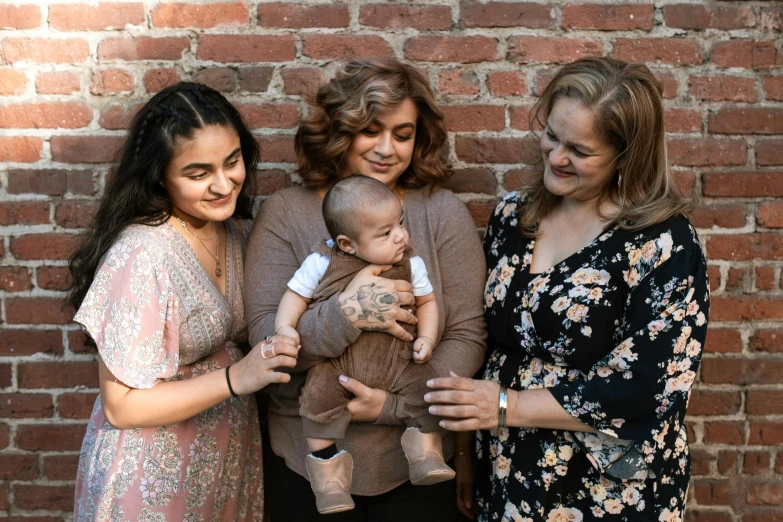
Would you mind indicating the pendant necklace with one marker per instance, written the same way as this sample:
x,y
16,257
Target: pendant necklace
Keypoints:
x,y
216,256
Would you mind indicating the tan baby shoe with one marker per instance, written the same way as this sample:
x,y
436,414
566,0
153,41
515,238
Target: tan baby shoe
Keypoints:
x,y
331,482
425,457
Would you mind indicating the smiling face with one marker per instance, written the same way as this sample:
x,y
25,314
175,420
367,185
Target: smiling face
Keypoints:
x,y
384,149
205,176
382,238
577,162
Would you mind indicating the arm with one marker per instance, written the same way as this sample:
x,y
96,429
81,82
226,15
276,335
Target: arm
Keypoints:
x,y
427,327
291,308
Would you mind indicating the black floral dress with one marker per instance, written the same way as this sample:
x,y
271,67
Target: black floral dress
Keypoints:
x,y
615,332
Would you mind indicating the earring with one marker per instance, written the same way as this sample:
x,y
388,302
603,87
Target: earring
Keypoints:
x,y
619,180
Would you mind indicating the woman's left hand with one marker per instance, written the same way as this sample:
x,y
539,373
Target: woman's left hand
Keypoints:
x,y
367,404
473,404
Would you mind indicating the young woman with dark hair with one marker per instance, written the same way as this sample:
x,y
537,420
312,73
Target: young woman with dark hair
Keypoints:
x,y
157,285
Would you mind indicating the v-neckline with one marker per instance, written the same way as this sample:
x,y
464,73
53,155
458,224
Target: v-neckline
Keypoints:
x,y
610,228
194,259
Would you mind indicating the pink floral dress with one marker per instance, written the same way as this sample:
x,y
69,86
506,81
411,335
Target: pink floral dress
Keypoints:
x,y
156,316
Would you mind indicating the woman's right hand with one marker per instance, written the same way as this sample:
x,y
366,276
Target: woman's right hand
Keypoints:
x,y
375,304
255,371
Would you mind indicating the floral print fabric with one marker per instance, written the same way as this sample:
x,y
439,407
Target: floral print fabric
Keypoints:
x,y
615,332
155,316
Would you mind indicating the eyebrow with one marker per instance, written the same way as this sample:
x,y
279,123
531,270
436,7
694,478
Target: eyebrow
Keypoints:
x,y
406,125
206,166
584,148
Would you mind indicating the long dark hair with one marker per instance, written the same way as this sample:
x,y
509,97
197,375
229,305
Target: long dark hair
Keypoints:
x,y
134,192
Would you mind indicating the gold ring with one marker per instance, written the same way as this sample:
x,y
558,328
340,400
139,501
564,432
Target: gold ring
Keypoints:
x,y
267,349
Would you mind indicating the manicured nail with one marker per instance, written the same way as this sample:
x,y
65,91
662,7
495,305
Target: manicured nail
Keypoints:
x,y
430,383
442,424
431,409
343,378
427,397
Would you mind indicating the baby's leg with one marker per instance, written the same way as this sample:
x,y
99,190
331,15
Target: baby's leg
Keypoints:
x,y
409,390
323,406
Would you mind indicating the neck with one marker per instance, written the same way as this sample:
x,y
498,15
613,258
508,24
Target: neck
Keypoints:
x,y
195,224
588,208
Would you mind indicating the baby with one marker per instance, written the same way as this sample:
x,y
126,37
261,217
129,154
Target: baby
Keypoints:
x,y
365,221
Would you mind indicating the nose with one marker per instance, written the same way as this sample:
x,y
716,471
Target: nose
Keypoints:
x,y
221,183
401,234
383,145
557,156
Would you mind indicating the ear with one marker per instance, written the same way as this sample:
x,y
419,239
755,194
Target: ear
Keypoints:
x,y
346,244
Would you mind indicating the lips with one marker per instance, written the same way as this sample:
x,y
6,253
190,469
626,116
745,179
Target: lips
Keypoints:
x,y
383,167
220,201
559,173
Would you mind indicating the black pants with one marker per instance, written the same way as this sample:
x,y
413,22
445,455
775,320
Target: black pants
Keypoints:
x,y
289,498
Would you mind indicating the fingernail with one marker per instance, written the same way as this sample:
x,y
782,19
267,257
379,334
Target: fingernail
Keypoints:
x,y
343,378
430,383
442,424
427,397
431,409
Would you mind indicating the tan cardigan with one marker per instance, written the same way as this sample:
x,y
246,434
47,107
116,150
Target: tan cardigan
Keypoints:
x,y
444,235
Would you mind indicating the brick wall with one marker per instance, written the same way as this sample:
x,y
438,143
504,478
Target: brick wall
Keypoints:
x,y
72,72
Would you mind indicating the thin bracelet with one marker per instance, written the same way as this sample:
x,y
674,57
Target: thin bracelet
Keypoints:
x,y
502,404
428,337
283,326
228,381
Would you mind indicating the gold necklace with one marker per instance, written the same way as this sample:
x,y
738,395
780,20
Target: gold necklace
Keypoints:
x,y
216,256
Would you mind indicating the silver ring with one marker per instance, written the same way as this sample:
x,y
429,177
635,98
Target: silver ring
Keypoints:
x,y
267,349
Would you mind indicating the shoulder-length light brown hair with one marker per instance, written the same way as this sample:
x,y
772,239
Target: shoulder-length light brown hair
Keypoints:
x,y
625,100
360,91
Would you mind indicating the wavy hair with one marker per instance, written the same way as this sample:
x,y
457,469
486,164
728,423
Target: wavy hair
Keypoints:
x,y
134,192
626,103
349,103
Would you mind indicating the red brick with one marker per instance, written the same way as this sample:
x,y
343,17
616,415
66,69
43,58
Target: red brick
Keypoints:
x,y
12,81
723,88
46,115
76,342
202,16
419,17
726,216
766,433
143,48
58,82
479,181
700,17
764,493
711,492
460,49
5,504
246,48
507,83
45,50
23,16
767,340
21,343
270,115
608,17
723,340
542,80
297,16
713,273
5,438
256,79
51,182
455,81
745,308
222,79
481,210
5,375
722,432
18,467
750,120
155,80
727,463
526,49
76,405
111,81
749,54
700,462
685,181
703,402
764,402
270,181
490,150
53,278
765,277
43,246
519,117
95,17
302,80
658,50
60,467
15,279
75,213
739,247
43,497
460,118
741,371
743,184
737,279
36,310
689,152
57,375
773,87
276,149
85,149
756,463
671,86
771,20
24,213
116,116
344,47
506,14
682,120
25,405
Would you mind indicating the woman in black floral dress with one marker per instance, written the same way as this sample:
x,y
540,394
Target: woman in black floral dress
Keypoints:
x,y
597,303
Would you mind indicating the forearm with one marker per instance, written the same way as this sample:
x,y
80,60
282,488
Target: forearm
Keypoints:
x,y
537,408
291,308
325,333
427,314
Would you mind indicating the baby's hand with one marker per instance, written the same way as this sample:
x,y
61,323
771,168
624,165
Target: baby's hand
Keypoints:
x,y
422,349
288,331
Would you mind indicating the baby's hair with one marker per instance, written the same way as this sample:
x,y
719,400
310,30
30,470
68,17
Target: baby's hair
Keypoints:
x,y
349,196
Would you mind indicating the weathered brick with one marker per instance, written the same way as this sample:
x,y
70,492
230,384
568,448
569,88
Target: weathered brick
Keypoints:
x,y
49,437
296,16
302,80
700,17
200,15
277,149
746,308
740,371
12,81
57,375
111,81
456,81
85,149
256,79
608,17
506,14
270,181
60,467
746,120
723,88
44,246
117,116
22,16
480,181
36,310
743,184
474,117
711,492
222,79
723,340
707,152
24,213
98,16
52,182
490,150
155,80
132,48
506,83
767,340
725,216
526,49
748,54
43,497
704,402
75,213
53,278
76,405
773,87
682,120
15,279
270,115
45,115
764,402
461,49
724,432
756,463
766,433
658,50
18,467
248,48
58,82
25,405
45,50
419,17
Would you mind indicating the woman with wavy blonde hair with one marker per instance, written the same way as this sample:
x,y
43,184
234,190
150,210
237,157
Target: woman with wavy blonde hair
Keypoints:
x,y
376,118
596,304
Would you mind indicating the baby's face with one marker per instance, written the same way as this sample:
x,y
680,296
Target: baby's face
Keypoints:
x,y
383,237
